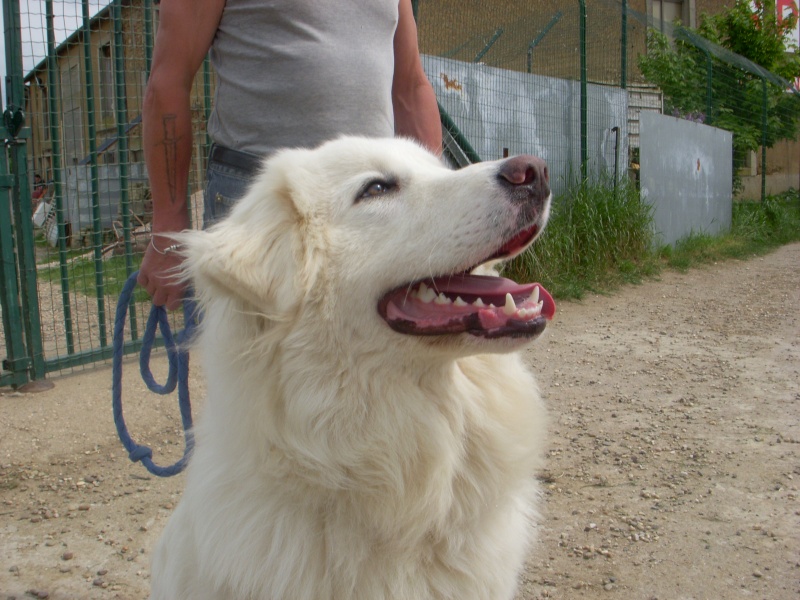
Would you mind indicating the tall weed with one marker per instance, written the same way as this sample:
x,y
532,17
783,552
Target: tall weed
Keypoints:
x,y
598,235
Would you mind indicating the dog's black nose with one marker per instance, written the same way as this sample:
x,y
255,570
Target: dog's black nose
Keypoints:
x,y
526,177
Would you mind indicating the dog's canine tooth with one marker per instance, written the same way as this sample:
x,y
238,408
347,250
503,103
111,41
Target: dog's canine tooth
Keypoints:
x,y
459,302
426,294
535,295
511,307
442,299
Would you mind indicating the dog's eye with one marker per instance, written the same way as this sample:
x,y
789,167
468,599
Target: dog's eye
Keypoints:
x,y
377,188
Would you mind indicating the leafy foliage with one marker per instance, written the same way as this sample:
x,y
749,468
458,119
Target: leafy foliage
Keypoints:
x,y
752,32
697,82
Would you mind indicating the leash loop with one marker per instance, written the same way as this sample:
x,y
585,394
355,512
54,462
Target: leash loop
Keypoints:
x,y
178,374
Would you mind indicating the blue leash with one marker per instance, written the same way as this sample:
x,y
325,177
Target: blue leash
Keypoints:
x,y
178,359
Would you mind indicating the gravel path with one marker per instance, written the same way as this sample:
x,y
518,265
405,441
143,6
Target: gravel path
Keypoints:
x,y
673,464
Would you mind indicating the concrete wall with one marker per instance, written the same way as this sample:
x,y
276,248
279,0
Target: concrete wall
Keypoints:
x,y
783,170
686,175
532,114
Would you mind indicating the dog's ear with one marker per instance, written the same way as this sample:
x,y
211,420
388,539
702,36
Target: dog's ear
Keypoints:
x,y
256,254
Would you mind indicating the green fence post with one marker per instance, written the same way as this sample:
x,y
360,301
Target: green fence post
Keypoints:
x,y
23,236
148,37
623,78
122,144
16,361
709,88
584,94
97,226
206,102
764,109
58,191
537,40
488,46
460,139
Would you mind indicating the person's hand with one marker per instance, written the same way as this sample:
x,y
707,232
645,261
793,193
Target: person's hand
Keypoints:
x,y
159,274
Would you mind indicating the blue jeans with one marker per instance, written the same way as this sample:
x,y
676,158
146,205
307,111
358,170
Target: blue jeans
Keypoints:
x,y
224,186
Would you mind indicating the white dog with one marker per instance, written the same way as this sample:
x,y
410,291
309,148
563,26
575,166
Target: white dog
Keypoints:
x,y
370,431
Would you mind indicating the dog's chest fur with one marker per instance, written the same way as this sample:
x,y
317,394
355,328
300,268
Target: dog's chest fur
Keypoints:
x,y
407,489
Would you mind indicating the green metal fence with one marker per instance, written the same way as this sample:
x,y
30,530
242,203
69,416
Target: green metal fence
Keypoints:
x,y
563,65
560,79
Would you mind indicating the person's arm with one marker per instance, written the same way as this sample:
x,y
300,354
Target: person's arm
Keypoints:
x,y
416,113
185,33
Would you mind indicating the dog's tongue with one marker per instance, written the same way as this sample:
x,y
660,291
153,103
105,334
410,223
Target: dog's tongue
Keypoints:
x,y
474,304
479,286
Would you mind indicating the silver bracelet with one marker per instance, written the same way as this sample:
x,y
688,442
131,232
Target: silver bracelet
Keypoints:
x,y
165,251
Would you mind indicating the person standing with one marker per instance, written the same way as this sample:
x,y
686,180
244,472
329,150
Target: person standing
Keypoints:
x,y
289,73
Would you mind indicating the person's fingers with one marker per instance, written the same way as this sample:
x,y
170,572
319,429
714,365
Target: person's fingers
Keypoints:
x,y
159,296
174,302
157,277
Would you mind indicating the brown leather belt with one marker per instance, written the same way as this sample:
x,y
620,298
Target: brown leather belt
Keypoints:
x,y
244,161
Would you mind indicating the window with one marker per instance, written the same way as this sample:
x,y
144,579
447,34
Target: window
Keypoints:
x,y
106,83
45,112
669,11
72,112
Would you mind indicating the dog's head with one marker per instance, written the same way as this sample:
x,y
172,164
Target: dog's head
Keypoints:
x,y
378,236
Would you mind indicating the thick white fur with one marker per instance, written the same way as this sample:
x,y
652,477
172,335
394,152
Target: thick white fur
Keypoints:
x,y
336,458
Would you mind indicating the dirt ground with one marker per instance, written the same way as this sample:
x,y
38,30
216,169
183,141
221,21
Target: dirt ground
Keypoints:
x,y
673,464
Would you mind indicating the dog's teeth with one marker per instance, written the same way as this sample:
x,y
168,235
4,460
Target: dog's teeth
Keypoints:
x,y
492,306
510,308
442,299
535,295
479,303
459,302
539,306
426,294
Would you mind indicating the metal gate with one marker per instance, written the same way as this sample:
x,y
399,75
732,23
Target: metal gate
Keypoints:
x,y
21,327
72,163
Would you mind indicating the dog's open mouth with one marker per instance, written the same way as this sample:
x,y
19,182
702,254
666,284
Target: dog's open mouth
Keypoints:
x,y
479,305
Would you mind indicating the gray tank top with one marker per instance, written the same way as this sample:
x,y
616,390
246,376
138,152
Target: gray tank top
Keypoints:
x,y
299,72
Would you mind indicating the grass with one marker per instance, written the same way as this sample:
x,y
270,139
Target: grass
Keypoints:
x,y
599,238
81,276
756,229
